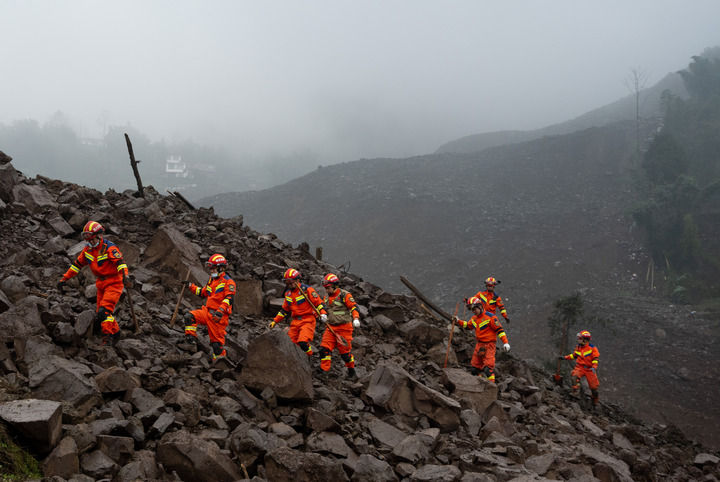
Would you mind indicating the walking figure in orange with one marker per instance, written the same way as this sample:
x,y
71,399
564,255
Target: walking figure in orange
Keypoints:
x,y
215,314
491,300
587,357
343,316
487,330
303,312
111,273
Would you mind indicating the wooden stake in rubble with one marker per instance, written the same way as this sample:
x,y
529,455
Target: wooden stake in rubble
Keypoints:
x,y
425,300
452,329
177,306
132,311
134,164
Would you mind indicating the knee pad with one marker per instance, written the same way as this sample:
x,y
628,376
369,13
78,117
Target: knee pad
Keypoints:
x,y
304,345
217,348
102,314
474,371
189,318
346,357
323,351
487,371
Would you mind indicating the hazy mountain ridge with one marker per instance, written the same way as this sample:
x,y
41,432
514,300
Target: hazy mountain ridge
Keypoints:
x,y
620,110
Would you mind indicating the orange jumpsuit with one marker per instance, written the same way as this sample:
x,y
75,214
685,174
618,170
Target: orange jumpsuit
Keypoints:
x,y
491,301
303,316
587,361
342,306
487,329
106,263
219,292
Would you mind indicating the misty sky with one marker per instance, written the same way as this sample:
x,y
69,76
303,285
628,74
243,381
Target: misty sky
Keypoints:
x,y
342,79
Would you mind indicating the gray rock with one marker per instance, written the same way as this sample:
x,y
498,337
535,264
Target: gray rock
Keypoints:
x,y
431,473
473,392
116,379
274,361
393,388
371,469
67,381
195,459
38,420
63,461
289,464
385,433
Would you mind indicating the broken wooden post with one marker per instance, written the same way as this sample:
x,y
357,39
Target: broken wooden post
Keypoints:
x,y
318,253
424,299
134,164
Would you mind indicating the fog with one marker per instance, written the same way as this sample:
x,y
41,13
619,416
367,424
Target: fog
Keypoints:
x,y
340,79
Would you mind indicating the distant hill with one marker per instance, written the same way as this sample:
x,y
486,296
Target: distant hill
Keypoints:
x,y
620,110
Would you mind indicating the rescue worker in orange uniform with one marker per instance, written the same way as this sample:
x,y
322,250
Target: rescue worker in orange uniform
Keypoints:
x,y
487,329
587,357
491,300
303,311
215,313
343,316
111,273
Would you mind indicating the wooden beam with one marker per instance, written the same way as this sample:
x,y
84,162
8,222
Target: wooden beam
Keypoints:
x,y
134,164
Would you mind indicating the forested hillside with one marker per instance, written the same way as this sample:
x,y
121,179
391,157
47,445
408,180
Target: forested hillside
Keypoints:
x,y
680,188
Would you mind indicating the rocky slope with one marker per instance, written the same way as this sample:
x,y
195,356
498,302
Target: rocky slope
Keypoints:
x,y
146,410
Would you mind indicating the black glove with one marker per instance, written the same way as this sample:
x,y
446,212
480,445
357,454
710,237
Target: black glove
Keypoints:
x,y
217,315
60,285
561,358
186,283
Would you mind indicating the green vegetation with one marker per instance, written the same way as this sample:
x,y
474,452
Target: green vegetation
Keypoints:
x,y
680,214
15,463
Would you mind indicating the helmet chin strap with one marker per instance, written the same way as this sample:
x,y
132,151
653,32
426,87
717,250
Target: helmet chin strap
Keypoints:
x,y
93,243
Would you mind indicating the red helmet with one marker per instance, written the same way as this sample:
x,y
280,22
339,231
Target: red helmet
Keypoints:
x,y
291,274
330,279
491,281
584,334
474,302
92,229
216,261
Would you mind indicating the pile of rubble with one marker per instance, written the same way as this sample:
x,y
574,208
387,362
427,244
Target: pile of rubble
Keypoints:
x,y
143,409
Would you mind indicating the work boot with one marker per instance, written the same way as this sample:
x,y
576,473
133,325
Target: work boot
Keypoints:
x,y
351,375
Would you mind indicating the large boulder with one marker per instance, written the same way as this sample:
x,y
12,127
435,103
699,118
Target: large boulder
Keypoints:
x,y
63,461
65,381
21,320
249,297
116,379
371,469
274,361
8,180
394,389
38,420
171,249
195,459
472,391
34,197
289,464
